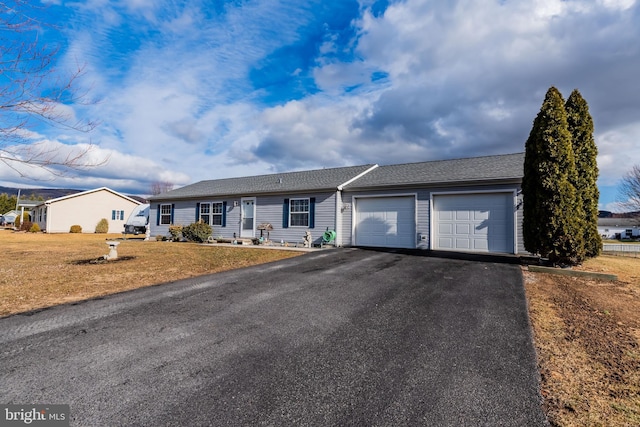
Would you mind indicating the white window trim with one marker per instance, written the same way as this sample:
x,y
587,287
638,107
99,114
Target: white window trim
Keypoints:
x,y
162,215
211,212
200,213
308,212
215,214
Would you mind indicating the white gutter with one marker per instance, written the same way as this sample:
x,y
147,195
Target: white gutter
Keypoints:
x,y
339,203
341,186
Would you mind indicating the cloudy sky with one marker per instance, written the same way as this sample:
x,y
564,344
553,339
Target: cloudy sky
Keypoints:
x,y
201,89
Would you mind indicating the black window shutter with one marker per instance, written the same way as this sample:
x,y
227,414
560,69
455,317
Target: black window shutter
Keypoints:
x,y
197,212
172,207
312,212
224,214
113,214
285,214
158,217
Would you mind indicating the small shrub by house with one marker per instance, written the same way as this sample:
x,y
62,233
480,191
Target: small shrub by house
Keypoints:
x,y
103,226
176,232
197,232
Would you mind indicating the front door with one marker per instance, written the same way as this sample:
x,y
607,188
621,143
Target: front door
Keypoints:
x,y
248,225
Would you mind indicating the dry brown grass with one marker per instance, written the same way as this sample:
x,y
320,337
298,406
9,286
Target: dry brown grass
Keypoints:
x,y
40,270
587,336
627,269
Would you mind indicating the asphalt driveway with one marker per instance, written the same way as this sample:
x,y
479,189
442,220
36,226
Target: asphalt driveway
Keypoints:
x,y
338,337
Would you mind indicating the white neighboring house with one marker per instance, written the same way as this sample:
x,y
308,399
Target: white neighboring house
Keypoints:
x,y
619,228
85,209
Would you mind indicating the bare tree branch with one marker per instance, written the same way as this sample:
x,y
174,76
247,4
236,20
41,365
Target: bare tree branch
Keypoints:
x,y
33,93
159,187
629,190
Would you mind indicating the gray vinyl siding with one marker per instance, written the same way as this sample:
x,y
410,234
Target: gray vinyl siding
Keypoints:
x,y
184,213
423,208
268,209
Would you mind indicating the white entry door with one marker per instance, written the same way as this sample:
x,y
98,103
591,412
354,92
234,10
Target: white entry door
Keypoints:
x,y
248,224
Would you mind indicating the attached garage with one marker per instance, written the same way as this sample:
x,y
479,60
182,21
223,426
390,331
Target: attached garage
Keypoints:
x,y
385,221
480,222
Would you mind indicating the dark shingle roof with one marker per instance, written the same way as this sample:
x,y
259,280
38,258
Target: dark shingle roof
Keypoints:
x,y
618,222
476,169
314,180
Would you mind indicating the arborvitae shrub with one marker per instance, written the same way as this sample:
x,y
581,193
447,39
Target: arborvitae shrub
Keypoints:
x,y
585,153
553,215
103,226
35,228
75,229
197,232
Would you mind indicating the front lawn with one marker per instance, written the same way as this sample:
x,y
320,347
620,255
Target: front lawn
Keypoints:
x,y
587,336
41,270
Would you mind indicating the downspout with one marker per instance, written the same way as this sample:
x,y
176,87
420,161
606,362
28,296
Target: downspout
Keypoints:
x,y
338,217
47,214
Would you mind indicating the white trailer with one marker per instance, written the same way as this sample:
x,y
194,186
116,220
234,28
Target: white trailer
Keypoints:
x,y
138,221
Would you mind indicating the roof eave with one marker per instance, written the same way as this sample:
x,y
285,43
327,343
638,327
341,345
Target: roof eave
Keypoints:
x,y
250,194
495,181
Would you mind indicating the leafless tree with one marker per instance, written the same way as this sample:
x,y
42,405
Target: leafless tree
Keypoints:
x,y
33,93
159,187
629,189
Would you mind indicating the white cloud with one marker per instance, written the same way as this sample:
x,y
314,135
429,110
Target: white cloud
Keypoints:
x,y
618,4
460,78
106,167
618,152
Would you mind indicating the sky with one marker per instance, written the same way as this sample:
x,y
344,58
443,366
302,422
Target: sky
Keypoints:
x,y
204,89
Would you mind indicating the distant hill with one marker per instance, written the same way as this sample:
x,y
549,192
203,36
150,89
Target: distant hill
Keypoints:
x,y
45,193
607,214
50,193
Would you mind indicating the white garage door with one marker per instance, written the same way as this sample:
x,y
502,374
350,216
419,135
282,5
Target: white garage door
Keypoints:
x,y
385,222
474,222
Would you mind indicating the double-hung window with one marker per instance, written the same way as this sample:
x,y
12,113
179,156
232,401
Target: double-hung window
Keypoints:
x,y
205,213
211,213
165,214
216,213
299,212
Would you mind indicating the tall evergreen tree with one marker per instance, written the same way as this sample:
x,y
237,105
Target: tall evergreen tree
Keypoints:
x,y
553,216
7,203
585,152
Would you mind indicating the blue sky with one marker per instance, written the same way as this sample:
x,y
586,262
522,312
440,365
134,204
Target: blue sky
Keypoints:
x,y
191,90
